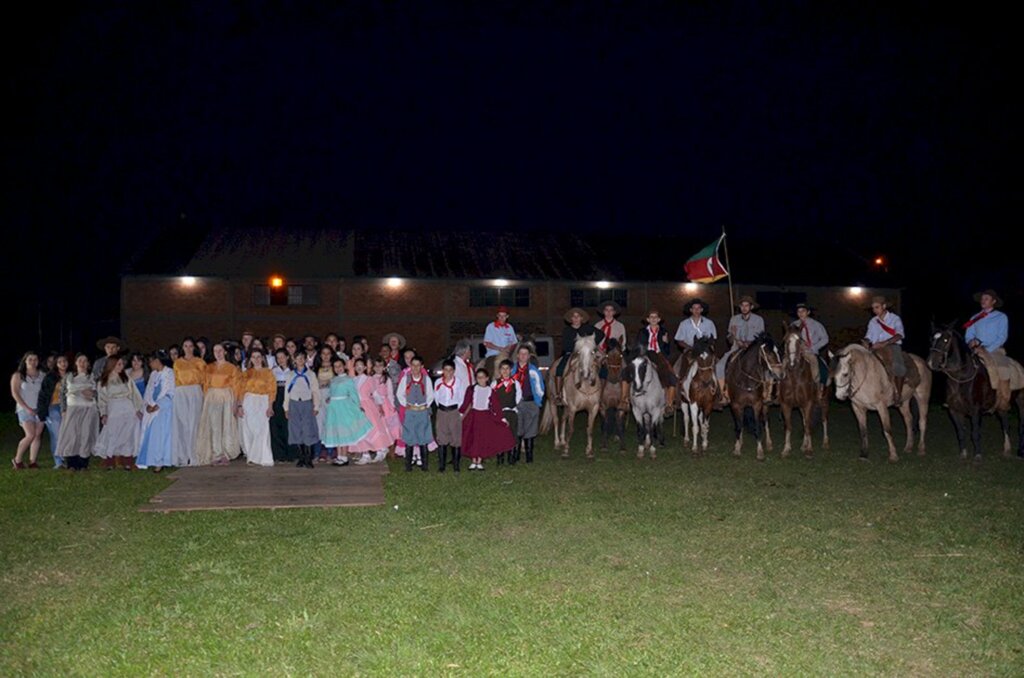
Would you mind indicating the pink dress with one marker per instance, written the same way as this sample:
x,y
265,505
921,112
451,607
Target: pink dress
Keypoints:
x,y
381,435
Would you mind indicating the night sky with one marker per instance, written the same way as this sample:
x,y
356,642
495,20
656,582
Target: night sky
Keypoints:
x,y
869,130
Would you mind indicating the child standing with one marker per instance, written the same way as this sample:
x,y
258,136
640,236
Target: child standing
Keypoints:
x,y
80,423
509,395
416,394
484,432
531,383
449,392
301,403
376,443
344,423
158,423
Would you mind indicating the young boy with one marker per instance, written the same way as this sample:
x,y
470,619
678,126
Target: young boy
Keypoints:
x,y
449,392
416,394
301,403
509,395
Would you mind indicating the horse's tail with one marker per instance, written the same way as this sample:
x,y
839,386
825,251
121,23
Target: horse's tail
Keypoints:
x,y
547,419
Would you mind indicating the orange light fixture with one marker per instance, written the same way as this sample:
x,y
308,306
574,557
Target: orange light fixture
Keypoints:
x,y
277,282
879,261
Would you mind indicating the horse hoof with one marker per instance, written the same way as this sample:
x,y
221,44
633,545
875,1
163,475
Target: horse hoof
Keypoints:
x,y
565,455
893,459
590,455
963,455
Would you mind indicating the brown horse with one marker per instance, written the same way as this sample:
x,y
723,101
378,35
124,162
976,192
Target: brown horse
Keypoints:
x,y
698,390
614,397
581,391
491,363
861,378
800,388
745,377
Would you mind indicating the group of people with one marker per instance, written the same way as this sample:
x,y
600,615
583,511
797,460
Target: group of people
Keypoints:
x,y
301,401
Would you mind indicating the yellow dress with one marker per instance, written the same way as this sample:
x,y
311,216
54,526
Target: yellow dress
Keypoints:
x,y
217,439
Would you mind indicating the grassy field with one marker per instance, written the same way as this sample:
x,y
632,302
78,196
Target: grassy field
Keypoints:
x,y
612,567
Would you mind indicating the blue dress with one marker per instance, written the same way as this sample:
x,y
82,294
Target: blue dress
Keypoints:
x,y
344,424
157,427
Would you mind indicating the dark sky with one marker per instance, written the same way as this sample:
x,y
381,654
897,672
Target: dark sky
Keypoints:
x,y
872,129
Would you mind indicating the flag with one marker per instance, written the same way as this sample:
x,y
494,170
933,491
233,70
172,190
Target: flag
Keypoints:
x,y
705,266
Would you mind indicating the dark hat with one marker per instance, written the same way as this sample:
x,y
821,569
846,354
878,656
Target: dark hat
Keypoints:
x,y
992,293
803,304
528,345
692,302
605,304
102,343
749,299
576,309
387,339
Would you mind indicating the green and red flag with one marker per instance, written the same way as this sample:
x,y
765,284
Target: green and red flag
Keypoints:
x,y
705,266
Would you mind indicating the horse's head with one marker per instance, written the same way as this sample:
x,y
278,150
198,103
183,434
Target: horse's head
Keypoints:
x,y
586,352
844,373
642,369
791,347
945,352
704,352
768,354
613,359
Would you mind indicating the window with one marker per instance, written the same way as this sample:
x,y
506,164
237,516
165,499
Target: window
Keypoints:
x,y
518,297
288,295
781,301
590,297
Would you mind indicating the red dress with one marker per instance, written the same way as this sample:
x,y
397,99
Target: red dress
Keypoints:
x,y
484,432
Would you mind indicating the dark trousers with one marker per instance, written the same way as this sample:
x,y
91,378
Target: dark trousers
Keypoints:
x,y
77,463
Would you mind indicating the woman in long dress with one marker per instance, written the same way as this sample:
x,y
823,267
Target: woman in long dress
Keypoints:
x,y
374,446
256,391
324,374
217,440
158,423
80,420
120,407
344,424
189,376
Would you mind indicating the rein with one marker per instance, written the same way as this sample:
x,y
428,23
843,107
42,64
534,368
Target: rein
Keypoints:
x,y
949,374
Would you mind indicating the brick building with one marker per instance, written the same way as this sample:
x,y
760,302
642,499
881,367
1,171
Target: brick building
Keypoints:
x,y
434,288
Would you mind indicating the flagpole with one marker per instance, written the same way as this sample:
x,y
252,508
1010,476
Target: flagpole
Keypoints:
x,y
728,267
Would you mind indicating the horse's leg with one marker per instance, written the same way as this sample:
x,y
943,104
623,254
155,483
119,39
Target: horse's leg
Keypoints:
x,y
807,411
570,428
623,416
641,433
960,425
787,425
705,427
883,416
691,417
976,431
737,424
591,417
922,421
908,422
766,418
1004,423
861,413
656,434
561,439
758,408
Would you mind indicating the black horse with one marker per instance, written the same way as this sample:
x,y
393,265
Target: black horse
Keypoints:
x,y
969,393
746,376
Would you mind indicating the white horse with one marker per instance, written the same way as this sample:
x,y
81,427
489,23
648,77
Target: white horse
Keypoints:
x,y
647,401
581,391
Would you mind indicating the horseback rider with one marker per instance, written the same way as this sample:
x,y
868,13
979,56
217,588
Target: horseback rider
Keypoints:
x,y
609,331
743,328
653,338
499,335
885,338
695,325
814,338
577,327
986,333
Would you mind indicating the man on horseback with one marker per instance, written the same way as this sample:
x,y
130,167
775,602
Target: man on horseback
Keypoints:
x,y
654,340
986,333
608,329
695,326
743,328
499,335
885,338
576,317
813,338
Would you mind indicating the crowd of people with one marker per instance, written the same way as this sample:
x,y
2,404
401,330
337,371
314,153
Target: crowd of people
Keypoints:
x,y
323,400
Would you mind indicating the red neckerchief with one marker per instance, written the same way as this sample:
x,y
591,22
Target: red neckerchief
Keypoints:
x,y
507,384
807,332
606,327
413,380
499,325
888,330
652,344
450,387
977,318
394,354
520,374
469,369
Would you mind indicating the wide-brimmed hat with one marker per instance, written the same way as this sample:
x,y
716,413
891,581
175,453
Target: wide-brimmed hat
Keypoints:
x,y
803,304
990,292
102,343
605,304
749,299
576,309
693,302
387,339
528,345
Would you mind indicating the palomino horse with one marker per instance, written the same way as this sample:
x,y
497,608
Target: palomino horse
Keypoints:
x,y
746,375
860,377
491,363
698,391
647,400
969,393
799,388
614,398
581,391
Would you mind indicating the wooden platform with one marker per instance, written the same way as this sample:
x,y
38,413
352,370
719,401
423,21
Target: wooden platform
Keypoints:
x,y
241,486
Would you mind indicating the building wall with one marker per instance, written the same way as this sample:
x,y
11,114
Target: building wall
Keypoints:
x,y
432,314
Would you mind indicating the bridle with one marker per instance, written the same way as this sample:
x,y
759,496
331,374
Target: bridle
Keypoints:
x,y
944,354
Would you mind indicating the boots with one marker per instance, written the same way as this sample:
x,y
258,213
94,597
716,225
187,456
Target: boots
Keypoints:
x,y
501,459
442,458
408,458
301,463
456,458
423,457
528,442
513,456
899,390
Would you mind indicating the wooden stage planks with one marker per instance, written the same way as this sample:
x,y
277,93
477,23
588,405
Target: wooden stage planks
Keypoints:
x,y
242,486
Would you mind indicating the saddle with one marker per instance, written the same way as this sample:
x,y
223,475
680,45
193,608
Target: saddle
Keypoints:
x,y
1005,375
913,377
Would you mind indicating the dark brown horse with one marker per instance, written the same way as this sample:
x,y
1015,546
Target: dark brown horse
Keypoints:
x,y
614,397
969,393
800,388
745,378
698,390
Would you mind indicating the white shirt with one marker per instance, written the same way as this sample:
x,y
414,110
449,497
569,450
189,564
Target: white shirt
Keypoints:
x,y
875,332
428,388
450,393
689,331
481,397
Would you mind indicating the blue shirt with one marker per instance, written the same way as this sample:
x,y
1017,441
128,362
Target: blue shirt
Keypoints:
x,y
876,334
689,332
991,331
536,382
499,336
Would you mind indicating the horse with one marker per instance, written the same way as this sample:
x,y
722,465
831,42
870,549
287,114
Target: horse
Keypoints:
x,y
581,391
491,363
799,388
647,401
861,378
969,393
614,397
698,390
745,376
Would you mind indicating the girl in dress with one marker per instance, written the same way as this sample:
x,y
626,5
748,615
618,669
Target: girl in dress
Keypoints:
x,y
120,406
324,374
374,446
189,376
416,395
345,423
384,398
485,433
49,403
279,422
256,391
137,372
80,420
301,403
509,394
26,384
158,423
217,441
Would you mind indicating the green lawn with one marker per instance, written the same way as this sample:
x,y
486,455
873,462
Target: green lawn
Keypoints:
x,y
611,567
